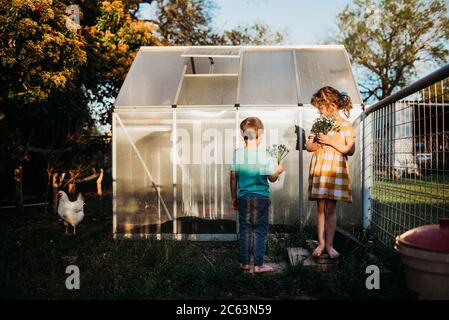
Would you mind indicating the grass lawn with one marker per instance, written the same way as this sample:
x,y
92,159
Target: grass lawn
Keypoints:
x,y
431,190
402,204
35,252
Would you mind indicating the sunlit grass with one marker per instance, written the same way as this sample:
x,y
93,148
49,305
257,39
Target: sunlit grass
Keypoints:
x,y
432,190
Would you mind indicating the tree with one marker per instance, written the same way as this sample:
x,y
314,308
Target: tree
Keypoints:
x,y
258,33
113,43
439,92
186,22
386,39
39,54
40,57
52,77
117,34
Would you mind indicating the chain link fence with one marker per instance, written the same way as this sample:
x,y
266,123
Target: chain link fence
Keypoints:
x,y
406,158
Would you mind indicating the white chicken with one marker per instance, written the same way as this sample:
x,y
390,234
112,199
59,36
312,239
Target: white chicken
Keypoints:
x,y
72,212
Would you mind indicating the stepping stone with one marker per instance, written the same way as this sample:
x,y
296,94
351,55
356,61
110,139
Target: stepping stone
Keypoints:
x,y
324,258
303,256
297,255
312,244
320,265
279,266
309,262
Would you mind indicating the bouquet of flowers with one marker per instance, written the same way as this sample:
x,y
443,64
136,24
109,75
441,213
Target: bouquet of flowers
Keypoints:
x,y
278,151
325,125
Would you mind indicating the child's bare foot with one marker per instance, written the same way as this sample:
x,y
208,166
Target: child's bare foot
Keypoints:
x,y
245,267
318,251
333,254
264,269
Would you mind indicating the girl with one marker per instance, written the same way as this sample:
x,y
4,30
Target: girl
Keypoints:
x,y
329,172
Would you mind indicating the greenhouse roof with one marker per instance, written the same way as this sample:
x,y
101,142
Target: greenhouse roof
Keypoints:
x,y
234,75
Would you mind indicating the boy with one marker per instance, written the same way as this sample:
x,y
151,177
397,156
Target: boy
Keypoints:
x,y
250,170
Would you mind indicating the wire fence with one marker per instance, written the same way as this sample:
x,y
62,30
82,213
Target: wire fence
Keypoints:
x,y
407,158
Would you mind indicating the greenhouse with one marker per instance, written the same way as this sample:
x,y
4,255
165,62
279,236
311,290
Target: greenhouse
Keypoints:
x,y
176,125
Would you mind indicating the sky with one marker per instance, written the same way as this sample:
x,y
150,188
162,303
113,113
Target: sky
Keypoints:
x,y
303,21
306,22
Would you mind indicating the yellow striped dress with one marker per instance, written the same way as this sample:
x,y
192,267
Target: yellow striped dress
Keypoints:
x,y
329,169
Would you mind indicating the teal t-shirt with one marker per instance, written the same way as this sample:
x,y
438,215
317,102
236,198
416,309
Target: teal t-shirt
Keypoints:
x,y
252,168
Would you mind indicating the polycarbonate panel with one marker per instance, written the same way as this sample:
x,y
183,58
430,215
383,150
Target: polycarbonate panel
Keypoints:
x,y
268,77
228,52
208,90
153,79
280,128
347,214
205,144
139,209
221,65
319,67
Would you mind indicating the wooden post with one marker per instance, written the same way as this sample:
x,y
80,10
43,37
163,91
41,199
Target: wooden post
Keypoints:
x,y
56,184
99,181
49,183
18,181
54,192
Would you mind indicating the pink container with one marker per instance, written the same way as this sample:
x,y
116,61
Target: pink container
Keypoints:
x,y
425,254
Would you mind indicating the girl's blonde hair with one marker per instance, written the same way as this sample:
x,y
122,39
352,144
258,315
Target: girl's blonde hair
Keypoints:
x,y
324,98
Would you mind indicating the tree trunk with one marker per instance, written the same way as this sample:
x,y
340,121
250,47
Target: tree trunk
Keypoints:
x,y
99,180
18,181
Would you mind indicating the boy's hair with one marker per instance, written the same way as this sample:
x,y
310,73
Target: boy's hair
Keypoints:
x,y
328,95
251,123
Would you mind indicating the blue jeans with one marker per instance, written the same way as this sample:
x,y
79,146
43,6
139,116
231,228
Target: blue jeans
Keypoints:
x,y
253,220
